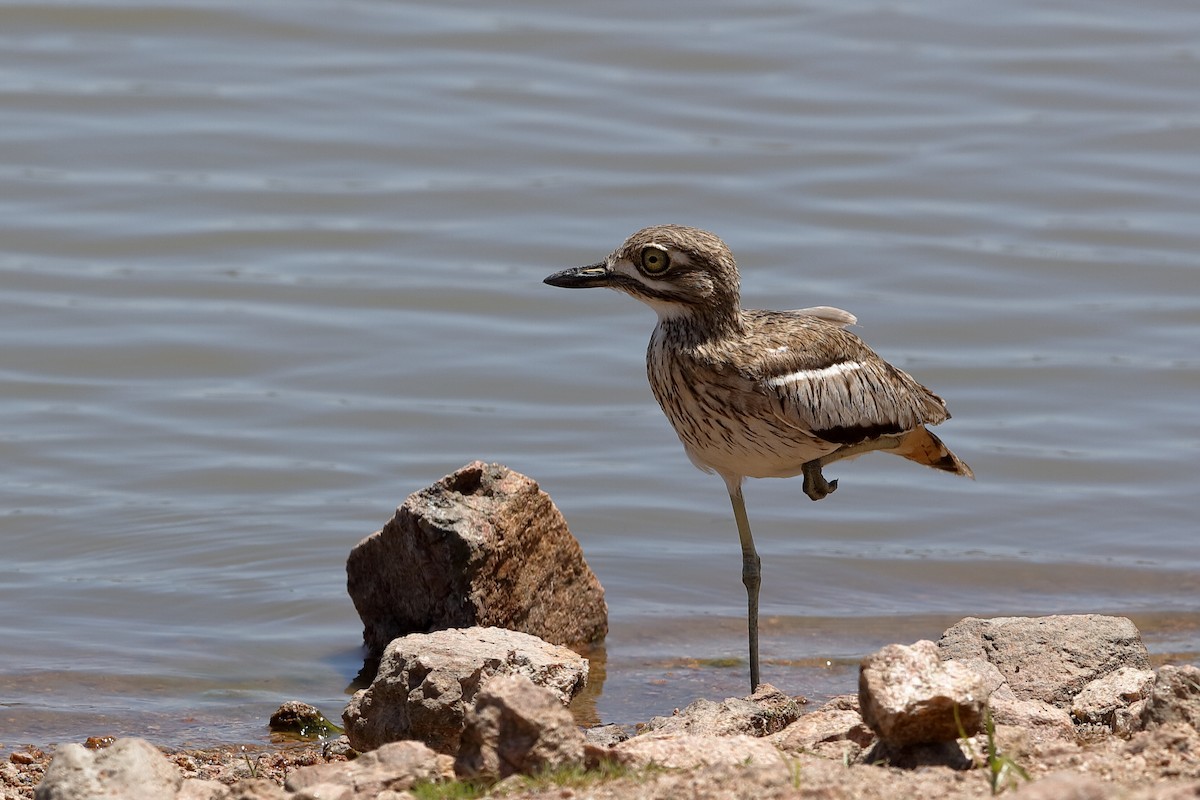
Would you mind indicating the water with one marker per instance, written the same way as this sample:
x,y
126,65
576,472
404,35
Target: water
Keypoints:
x,y
266,269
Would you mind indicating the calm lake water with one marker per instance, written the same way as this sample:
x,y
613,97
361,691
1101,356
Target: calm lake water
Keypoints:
x,y
265,269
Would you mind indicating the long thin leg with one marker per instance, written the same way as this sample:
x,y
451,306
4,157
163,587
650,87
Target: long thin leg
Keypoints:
x,y
751,577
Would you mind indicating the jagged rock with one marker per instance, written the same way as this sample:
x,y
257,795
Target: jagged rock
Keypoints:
x,y
1114,702
1175,697
766,711
483,546
129,769
1043,721
909,696
517,728
688,751
836,730
395,766
1047,658
427,682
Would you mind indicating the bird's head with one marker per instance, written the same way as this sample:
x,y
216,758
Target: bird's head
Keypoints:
x,y
676,270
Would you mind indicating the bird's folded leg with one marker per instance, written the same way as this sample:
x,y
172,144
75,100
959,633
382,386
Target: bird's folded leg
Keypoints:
x,y
815,485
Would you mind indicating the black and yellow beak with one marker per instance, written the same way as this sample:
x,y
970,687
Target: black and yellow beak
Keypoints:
x,y
581,277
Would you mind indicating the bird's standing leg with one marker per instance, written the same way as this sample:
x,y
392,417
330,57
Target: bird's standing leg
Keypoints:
x,y
815,485
751,576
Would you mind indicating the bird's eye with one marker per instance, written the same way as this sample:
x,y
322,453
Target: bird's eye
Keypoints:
x,y
655,261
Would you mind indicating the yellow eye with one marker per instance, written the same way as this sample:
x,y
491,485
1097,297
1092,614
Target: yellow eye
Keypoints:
x,y
655,261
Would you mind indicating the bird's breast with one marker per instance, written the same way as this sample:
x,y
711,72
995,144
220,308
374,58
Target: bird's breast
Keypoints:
x,y
725,424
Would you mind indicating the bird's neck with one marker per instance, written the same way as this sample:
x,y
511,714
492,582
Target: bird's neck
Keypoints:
x,y
697,325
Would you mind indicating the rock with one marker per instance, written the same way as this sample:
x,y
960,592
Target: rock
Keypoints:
x,y
1171,749
196,789
395,766
605,735
598,743
1175,697
338,746
483,546
1114,702
909,696
836,730
427,682
517,728
130,769
774,781
1042,721
302,720
672,751
327,791
766,711
1065,786
263,789
1047,658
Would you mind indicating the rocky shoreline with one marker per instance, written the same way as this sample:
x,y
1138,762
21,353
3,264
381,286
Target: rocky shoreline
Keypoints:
x,y
468,597
1129,733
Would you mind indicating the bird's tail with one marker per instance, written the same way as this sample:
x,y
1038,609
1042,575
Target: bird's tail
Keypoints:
x,y
921,446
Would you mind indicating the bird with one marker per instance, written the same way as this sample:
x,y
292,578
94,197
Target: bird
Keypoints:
x,y
761,394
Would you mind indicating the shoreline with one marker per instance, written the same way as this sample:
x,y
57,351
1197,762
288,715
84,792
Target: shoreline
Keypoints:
x,y
1150,765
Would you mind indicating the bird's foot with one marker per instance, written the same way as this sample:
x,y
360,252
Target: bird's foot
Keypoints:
x,y
815,485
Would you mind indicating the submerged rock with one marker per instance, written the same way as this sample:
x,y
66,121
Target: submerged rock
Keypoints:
x,y
301,720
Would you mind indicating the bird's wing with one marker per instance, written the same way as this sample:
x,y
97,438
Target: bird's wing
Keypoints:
x,y
837,316
827,381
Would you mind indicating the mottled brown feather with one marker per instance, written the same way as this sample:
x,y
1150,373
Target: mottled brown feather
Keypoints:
x,y
719,371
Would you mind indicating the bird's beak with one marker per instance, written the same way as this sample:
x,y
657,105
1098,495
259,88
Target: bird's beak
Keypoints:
x,y
581,277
